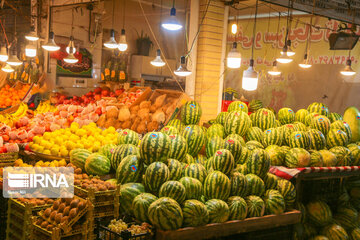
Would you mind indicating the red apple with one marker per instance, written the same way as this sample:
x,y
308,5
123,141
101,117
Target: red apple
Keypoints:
x,y
105,93
98,111
97,90
90,94
118,92
97,97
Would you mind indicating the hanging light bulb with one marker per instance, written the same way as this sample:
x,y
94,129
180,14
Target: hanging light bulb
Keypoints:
x,y
305,63
70,57
233,59
284,58
112,44
122,44
13,59
3,54
348,71
182,71
274,70
289,51
30,50
158,62
234,28
250,78
71,44
7,68
51,45
172,23
32,35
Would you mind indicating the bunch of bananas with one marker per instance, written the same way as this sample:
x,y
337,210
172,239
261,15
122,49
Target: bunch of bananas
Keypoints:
x,y
45,107
10,119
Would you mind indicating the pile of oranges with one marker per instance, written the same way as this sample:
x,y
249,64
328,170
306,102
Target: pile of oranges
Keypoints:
x,y
11,96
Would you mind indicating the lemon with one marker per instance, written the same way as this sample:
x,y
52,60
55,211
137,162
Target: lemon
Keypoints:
x,y
61,131
91,139
36,139
92,125
111,129
70,145
91,149
62,163
87,144
68,133
80,132
74,138
58,140
64,152
46,164
52,164
47,152
47,136
79,145
55,151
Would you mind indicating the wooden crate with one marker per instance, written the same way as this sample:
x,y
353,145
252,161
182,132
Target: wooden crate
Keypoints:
x,y
8,159
145,96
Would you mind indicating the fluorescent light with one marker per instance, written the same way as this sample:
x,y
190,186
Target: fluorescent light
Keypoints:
x,y
305,63
172,23
7,68
32,36
51,45
13,59
233,59
250,78
348,71
71,44
274,70
234,28
112,44
182,71
122,44
3,54
284,58
70,57
158,62
30,50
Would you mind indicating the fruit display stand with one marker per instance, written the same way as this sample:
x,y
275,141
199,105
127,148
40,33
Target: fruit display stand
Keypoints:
x,y
229,228
8,159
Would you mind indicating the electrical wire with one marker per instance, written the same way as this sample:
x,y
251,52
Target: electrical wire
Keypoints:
x,y
254,29
124,14
2,26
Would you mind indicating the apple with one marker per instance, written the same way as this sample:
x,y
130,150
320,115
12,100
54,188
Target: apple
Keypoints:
x,y
105,93
118,92
90,94
98,111
97,90
112,94
97,97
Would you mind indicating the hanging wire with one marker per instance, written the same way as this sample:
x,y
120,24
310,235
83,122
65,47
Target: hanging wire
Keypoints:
x,y
267,32
254,29
124,1
72,21
2,26
277,36
113,15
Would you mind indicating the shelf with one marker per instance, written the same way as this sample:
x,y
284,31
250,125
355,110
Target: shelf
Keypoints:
x,y
229,228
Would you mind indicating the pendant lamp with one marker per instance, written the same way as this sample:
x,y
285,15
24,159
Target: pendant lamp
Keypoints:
x,y
274,70
51,45
348,71
233,59
158,62
182,70
172,24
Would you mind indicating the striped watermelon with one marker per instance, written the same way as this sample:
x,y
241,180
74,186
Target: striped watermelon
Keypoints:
x,y
197,171
319,108
286,115
287,190
264,119
195,138
277,124
273,136
259,163
130,169
201,159
128,136
277,156
352,117
316,159
245,155
174,190
177,124
106,150
223,161
254,133
169,130
319,213
297,158
218,211
347,216
336,137
221,118
274,202
128,192
310,117
178,147
255,105
317,139
238,184
252,145
188,159
141,204
309,230
155,146
234,146
255,185
237,122
342,125
300,115
355,152
194,188
213,144
155,175
97,164
302,209
175,169
237,207
355,234
300,126
208,164
120,152
299,139
195,213
238,106
334,232
271,109
271,181
236,137
215,130
287,130
191,113
343,156
165,214
78,157
241,168
321,123
329,158
335,117
217,185
256,206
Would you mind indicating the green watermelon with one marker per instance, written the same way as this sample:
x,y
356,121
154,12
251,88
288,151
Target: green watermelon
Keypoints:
x,y
316,159
174,190
234,146
218,211
177,124
286,115
175,169
277,156
343,156
245,155
217,185
195,213
237,207
128,136
107,150
287,190
236,137
336,137
191,113
329,158
130,169
342,125
302,209
321,123
188,159
334,232
274,202
273,136
155,175
78,157
355,152
220,119
335,117
319,213
178,147
215,130
255,105
264,119
256,206
355,234
271,181
201,159
299,139
128,192
352,117
165,214
297,158
255,185
252,145
155,146
169,130
259,163
238,184
317,139
300,115
309,230
254,133
97,164
120,152
319,108
277,123
195,138
196,170
238,106
237,122
223,161
287,130
193,187
141,204
347,216
213,144
299,126
241,168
